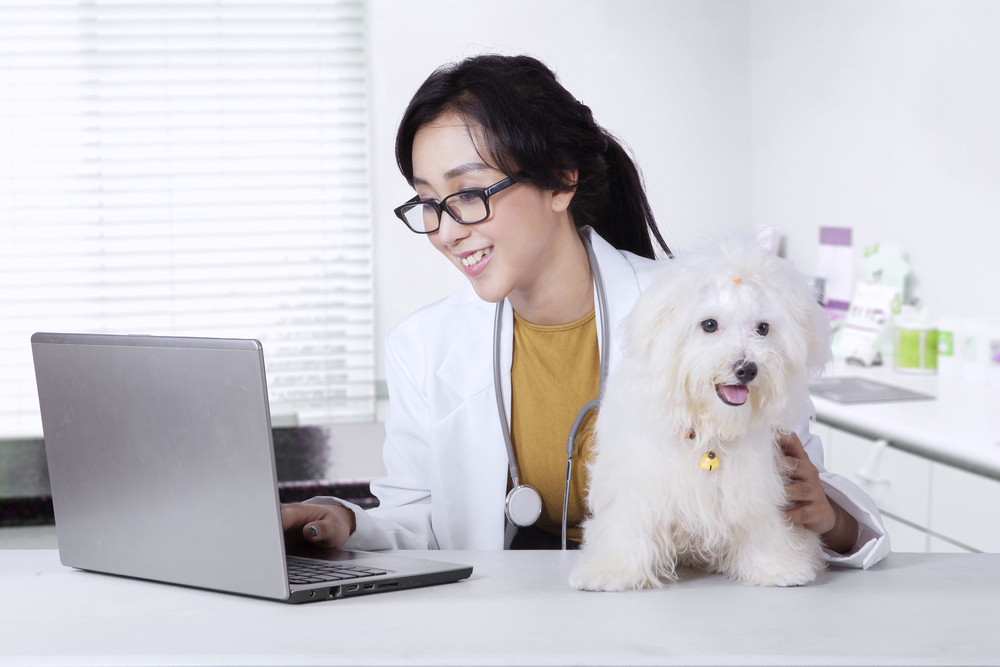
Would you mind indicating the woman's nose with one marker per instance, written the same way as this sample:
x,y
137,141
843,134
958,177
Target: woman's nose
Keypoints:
x,y
450,231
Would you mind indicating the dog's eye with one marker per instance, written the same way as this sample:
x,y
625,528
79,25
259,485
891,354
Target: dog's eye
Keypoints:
x,y
762,329
710,326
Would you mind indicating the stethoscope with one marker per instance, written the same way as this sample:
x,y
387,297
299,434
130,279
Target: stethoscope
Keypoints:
x,y
524,504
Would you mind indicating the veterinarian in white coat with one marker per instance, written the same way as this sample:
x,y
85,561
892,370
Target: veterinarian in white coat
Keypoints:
x,y
446,460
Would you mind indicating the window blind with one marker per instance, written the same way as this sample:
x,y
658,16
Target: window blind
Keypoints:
x,y
189,168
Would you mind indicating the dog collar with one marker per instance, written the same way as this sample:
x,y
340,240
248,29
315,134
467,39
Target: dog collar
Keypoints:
x,y
709,461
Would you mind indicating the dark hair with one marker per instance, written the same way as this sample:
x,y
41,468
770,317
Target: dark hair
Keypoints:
x,y
531,124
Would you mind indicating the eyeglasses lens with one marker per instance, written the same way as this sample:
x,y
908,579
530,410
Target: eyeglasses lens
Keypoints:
x,y
466,206
421,217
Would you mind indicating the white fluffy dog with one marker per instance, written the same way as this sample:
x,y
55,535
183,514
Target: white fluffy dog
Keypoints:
x,y
718,352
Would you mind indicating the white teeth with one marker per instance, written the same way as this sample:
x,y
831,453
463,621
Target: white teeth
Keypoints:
x,y
474,258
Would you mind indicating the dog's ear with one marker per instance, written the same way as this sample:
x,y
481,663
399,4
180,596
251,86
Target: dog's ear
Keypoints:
x,y
656,310
812,320
639,329
819,341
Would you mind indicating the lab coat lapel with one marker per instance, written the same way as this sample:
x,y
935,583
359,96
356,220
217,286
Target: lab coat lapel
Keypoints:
x,y
621,291
467,367
471,453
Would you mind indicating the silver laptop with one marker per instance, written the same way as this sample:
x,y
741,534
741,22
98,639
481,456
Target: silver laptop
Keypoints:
x,y
161,465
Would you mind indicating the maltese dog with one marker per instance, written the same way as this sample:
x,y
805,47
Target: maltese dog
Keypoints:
x,y
686,469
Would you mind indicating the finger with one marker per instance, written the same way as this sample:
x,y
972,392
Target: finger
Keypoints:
x,y
790,463
332,531
818,517
322,525
294,515
306,519
794,470
799,492
320,533
792,446
800,515
804,512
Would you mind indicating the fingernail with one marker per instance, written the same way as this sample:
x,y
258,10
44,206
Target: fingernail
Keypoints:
x,y
313,530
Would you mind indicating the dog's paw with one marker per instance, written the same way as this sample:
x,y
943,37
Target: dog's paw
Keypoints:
x,y
782,578
784,574
592,574
592,579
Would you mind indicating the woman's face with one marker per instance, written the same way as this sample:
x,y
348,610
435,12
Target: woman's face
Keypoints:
x,y
508,252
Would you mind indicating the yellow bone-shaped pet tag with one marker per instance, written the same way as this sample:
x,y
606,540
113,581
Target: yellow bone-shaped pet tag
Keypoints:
x,y
709,461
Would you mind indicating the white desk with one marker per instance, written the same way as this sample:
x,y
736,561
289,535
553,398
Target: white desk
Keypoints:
x,y
925,609
960,428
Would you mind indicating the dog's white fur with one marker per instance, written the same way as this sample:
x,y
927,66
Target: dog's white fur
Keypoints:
x,y
652,508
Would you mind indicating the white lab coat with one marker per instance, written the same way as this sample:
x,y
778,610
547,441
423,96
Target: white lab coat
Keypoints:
x,y
444,452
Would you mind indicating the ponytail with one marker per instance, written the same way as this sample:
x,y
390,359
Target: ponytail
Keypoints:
x,y
614,202
531,124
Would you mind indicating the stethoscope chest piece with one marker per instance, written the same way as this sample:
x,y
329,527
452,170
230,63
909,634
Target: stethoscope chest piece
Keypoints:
x,y
524,506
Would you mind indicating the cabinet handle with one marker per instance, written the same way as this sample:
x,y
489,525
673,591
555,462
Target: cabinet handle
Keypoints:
x,y
867,472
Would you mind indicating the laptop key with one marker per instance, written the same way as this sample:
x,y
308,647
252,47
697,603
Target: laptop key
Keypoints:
x,y
310,572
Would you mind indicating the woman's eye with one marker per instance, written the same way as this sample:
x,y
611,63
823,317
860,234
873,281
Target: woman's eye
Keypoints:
x,y
762,329
710,326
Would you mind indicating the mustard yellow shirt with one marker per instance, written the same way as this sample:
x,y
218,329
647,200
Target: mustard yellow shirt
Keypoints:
x,y
555,371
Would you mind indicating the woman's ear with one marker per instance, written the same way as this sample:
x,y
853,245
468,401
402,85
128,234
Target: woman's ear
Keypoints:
x,y
562,198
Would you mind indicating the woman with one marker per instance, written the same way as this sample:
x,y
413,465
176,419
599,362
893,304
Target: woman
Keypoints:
x,y
513,180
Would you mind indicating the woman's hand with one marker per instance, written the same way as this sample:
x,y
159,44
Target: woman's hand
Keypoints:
x,y
810,506
322,525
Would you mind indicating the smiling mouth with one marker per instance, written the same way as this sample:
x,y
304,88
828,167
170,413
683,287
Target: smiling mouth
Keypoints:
x,y
474,258
732,394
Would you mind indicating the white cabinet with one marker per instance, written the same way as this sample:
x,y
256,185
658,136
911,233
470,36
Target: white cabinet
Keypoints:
x,y
898,482
939,546
905,537
927,506
966,507
956,508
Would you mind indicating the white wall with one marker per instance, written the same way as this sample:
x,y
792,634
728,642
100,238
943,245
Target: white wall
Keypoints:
x,y
880,115
670,78
884,116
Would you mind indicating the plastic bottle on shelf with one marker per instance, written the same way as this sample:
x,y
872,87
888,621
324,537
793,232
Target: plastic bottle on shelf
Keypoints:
x,y
949,337
975,351
915,342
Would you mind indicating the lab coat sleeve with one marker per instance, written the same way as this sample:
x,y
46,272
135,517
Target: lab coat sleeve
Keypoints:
x,y
403,518
872,544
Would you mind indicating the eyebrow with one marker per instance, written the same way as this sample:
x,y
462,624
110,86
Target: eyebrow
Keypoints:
x,y
466,168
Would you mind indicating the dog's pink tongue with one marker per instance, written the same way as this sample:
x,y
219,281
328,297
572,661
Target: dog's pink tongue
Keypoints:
x,y
735,393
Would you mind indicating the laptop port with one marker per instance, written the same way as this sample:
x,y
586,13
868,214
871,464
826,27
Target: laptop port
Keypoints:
x,y
387,586
369,587
352,588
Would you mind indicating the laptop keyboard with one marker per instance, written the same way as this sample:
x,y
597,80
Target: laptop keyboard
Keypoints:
x,y
305,571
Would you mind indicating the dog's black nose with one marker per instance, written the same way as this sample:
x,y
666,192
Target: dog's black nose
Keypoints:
x,y
746,372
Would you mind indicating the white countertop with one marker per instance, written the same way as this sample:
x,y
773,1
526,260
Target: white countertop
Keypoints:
x,y
961,427
912,609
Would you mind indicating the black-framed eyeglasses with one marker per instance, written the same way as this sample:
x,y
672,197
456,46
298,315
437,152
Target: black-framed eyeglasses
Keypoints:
x,y
466,207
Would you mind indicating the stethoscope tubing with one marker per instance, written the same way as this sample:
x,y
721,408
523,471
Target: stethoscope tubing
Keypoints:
x,y
515,473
